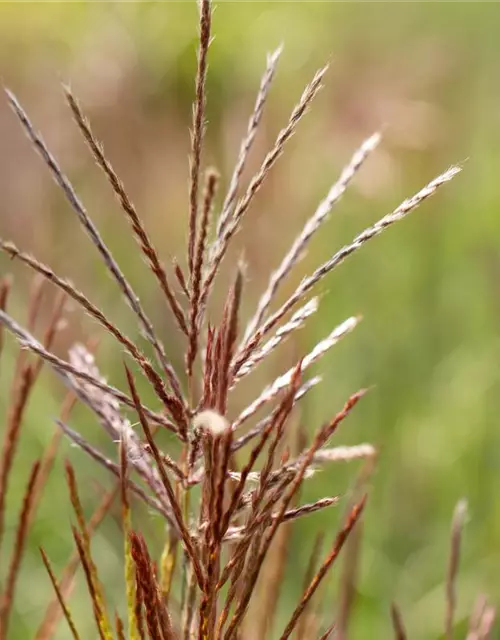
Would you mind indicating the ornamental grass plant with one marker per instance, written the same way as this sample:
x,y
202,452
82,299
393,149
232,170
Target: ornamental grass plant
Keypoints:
x,y
229,491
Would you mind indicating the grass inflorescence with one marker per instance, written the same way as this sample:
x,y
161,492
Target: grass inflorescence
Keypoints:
x,y
228,498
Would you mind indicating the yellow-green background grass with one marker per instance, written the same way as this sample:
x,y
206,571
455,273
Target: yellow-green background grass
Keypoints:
x,y
429,289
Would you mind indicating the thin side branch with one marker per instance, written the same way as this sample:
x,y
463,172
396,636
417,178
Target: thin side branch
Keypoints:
x,y
128,207
247,142
198,127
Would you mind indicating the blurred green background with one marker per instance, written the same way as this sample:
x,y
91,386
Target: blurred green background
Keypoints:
x,y
428,289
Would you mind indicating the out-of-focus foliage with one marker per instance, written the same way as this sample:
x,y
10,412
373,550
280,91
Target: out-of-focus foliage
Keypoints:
x,y
429,290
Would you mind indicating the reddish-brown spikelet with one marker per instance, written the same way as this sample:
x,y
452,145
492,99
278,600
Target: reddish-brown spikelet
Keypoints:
x,y
53,326
207,369
46,461
75,501
96,601
211,183
215,369
5,287
82,539
30,373
25,375
194,320
126,524
347,587
60,597
230,335
193,453
144,586
168,564
325,567
179,274
348,581
225,441
35,301
139,606
52,615
7,597
397,622
198,129
157,617
217,447
212,456
14,421
301,627
482,620
306,509
186,536
120,631
328,632
456,539
205,442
